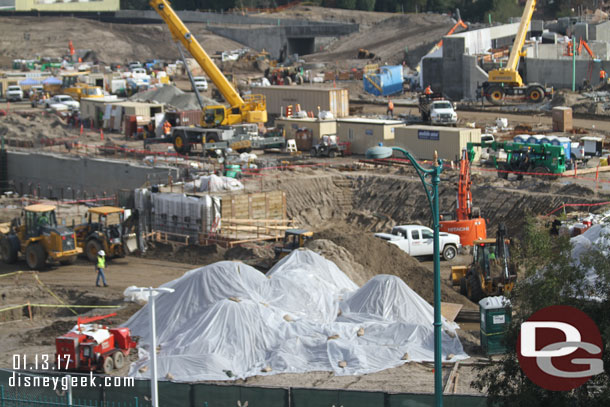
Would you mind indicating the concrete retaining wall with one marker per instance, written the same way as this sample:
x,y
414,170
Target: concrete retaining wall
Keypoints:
x,y
50,175
558,73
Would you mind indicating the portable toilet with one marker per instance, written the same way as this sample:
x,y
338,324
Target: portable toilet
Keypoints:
x,y
567,145
495,316
521,138
535,139
548,139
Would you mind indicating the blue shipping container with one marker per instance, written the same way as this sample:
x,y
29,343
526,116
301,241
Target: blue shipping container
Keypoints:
x,y
387,82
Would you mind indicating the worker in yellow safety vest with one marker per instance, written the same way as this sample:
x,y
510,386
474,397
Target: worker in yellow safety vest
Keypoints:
x,y
99,267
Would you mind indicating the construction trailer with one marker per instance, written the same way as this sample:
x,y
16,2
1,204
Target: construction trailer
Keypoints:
x,y
92,109
309,98
423,141
364,133
315,129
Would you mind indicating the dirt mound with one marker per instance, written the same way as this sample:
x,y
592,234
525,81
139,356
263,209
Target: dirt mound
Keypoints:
x,y
252,253
171,95
576,190
341,257
110,42
378,257
196,255
34,127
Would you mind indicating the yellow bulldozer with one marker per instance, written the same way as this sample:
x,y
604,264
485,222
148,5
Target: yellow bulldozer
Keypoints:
x,y
38,237
105,230
492,271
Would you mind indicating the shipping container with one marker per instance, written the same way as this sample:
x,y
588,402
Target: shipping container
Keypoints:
x,y
184,117
423,141
316,127
309,98
364,133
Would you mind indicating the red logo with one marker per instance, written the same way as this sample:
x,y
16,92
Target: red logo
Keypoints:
x,y
560,348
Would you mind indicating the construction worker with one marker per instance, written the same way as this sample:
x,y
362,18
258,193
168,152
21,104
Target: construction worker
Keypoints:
x,y
101,264
428,90
43,220
167,128
602,75
390,111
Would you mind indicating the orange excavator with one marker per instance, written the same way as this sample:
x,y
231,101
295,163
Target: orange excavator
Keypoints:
x,y
457,25
466,225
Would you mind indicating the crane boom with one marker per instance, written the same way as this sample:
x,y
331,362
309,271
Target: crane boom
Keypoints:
x,y
251,110
526,19
509,74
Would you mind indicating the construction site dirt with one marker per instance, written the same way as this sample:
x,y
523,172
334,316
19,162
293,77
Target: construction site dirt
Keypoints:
x,y
343,200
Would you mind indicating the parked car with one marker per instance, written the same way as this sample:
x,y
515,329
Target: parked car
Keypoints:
x,y
57,101
418,240
201,83
14,93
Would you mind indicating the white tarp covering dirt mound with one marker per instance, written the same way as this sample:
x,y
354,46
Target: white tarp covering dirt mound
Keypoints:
x,y
597,236
227,321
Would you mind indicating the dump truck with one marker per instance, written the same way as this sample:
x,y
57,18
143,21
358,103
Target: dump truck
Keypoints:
x,y
38,237
492,271
105,230
93,347
437,110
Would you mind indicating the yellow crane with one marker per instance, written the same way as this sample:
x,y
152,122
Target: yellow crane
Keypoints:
x,y
249,109
506,81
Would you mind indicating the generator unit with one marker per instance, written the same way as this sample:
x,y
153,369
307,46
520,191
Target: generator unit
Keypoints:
x,y
93,347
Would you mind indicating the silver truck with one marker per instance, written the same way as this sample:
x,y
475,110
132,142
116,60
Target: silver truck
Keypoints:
x,y
14,93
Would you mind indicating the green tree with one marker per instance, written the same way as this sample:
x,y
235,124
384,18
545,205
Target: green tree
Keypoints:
x,y
346,4
551,278
366,5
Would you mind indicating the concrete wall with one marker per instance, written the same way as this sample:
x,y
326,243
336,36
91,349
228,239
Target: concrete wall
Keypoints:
x,y
79,175
473,76
453,50
600,32
98,5
558,73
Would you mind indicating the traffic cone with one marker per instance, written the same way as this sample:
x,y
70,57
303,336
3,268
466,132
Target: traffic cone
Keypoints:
x,y
81,129
101,134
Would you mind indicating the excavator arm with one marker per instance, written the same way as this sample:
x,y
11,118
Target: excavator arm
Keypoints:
x,y
464,199
250,110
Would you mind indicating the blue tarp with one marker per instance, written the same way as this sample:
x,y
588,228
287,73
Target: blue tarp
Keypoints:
x,y
52,81
29,82
387,82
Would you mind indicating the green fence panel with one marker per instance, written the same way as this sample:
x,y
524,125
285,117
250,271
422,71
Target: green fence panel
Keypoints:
x,y
361,398
174,394
427,400
264,396
215,395
314,398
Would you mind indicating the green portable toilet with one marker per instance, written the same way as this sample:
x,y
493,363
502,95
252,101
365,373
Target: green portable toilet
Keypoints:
x,y
495,315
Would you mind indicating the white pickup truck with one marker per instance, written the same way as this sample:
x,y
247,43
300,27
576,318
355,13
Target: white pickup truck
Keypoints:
x,y
419,241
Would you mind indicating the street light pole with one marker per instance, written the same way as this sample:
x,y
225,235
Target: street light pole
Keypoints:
x,y
431,188
154,390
